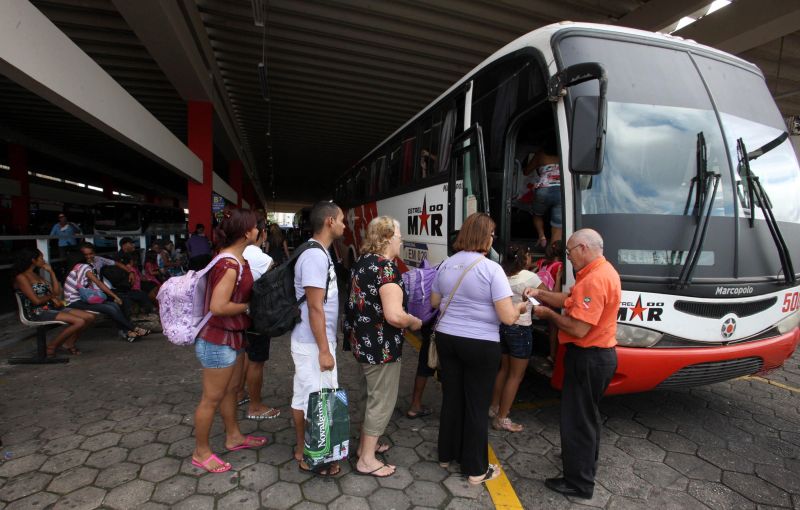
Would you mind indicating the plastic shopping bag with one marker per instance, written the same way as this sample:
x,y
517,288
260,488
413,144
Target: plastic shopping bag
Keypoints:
x,y
327,434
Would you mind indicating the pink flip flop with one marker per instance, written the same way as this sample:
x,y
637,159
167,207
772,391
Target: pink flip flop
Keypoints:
x,y
223,466
248,443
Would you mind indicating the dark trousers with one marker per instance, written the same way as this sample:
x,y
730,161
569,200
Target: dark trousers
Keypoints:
x,y
468,370
130,297
109,308
587,374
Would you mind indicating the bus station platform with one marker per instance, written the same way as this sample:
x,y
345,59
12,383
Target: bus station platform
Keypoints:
x,y
113,429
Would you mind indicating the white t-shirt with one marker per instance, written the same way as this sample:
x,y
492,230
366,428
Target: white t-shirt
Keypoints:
x,y
258,260
314,268
519,282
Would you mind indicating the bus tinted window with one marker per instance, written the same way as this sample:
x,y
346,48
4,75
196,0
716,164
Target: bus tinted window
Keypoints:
x,y
407,164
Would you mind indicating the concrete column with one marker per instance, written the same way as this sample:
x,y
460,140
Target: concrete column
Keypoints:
x,y
20,205
201,143
235,174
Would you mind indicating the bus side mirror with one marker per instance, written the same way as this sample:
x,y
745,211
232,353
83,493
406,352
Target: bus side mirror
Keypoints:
x,y
588,132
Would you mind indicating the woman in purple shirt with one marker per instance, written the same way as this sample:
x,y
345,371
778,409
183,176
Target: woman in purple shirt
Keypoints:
x,y
468,343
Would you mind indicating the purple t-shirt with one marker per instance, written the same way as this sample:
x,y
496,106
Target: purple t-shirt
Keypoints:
x,y
471,314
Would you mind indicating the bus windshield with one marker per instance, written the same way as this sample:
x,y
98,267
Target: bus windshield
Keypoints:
x,y
643,201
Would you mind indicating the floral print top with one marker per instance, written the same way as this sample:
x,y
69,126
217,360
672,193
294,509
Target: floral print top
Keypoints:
x,y
372,338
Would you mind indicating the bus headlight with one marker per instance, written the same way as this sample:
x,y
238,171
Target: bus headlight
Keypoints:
x,y
788,324
634,336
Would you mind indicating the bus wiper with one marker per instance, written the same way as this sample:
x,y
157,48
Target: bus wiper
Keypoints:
x,y
756,193
695,188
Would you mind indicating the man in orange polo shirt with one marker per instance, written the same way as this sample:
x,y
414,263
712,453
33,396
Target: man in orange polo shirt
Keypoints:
x,y
588,328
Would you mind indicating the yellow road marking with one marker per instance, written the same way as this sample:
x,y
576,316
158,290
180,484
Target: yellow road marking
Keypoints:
x,y
770,381
500,489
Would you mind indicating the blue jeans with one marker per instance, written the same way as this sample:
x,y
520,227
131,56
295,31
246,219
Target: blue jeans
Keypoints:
x,y
516,341
549,199
109,308
213,355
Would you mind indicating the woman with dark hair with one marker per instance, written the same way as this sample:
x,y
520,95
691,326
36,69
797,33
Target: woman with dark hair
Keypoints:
x,y
277,247
41,302
516,340
473,296
220,343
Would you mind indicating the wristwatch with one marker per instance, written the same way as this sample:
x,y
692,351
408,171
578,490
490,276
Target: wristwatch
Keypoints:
x,y
247,310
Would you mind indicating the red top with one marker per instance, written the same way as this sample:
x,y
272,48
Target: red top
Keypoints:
x,y
551,268
228,330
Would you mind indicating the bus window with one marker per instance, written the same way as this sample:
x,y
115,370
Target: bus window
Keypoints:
x,y
361,182
380,168
373,178
393,173
407,173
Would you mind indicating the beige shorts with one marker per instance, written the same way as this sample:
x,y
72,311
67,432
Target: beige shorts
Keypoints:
x,y
307,376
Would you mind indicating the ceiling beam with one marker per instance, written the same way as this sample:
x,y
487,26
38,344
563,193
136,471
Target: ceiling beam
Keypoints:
x,y
745,24
657,14
41,58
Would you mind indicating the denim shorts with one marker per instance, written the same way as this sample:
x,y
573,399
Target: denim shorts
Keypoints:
x,y
213,355
516,341
549,199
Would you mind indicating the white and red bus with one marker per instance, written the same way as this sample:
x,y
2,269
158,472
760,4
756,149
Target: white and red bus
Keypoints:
x,y
675,152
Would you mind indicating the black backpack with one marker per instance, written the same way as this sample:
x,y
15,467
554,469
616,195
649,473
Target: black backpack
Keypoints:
x,y
117,277
273,305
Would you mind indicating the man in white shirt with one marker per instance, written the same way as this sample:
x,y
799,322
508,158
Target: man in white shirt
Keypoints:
x,y
314,337
257,345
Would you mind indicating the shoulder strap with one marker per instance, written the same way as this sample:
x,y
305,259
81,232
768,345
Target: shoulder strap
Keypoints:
x,y
453,292
296,255
216,259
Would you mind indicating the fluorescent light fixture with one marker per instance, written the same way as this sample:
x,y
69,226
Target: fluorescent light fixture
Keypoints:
x,y
262,80
258,12
717,5
684,22
5,167
95,188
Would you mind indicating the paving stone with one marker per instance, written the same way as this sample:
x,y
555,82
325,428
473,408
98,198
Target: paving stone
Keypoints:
x,y
97,427
401,456
129,495
24,485
623,482
174,489
401,479
468,504
289,472
73,479
20,435
532,494
91,418
320,490
196,502
759,455
725,459
389,498
100,441
693,467
427,451
660,475
428,471
461,488
182,448
656,421
755,489
529,442
123,413
348,502
107,457
308,505
626,427
239,500
356,485
172,434
405,437
117,474
16,467
641,449
701,436
531,465
33,502
24,449
63,444
164,421
241,459
160,469
217,483
131,424
780,477
258,477
152,506
425,493
275,454
147,453
667,499
281,495
672,442
64,461
61,430
86,498
717,496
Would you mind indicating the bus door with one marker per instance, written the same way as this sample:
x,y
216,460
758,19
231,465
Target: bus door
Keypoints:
x,y
466,189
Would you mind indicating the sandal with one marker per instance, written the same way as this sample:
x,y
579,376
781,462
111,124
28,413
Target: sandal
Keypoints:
x,y
141,331
73,351
493,411
507,425
324,470
270,413
249,442
51,351
491,473
375,471
223,466
423,411
131,336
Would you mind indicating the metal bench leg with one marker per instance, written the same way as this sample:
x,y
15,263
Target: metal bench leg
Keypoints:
x,y
41,352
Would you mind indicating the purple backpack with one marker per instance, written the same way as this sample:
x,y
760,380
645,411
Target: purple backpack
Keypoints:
x,y
418,283
182,303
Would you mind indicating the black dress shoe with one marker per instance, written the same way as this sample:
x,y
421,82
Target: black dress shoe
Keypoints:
x,y
566,488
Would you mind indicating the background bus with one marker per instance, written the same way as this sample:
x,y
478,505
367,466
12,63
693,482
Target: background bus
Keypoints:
x,y
648,127
119,218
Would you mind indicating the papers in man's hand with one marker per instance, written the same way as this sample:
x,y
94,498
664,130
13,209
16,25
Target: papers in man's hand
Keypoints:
x,y
533,301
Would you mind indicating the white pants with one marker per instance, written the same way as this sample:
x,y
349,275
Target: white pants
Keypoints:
x,y
308,378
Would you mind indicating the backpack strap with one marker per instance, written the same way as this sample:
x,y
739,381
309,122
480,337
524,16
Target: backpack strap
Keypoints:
x,y
296,255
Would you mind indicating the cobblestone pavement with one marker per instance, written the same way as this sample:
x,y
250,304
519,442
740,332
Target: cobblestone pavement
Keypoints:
x,y
113,429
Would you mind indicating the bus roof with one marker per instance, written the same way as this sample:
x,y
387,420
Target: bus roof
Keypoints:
x,y
540,39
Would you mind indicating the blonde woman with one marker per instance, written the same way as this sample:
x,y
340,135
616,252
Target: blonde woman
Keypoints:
x,y
375,316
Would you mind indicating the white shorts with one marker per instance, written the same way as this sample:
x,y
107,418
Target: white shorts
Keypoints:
x,y
307,376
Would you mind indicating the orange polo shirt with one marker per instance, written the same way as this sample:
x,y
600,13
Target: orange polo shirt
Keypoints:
x,y
594,299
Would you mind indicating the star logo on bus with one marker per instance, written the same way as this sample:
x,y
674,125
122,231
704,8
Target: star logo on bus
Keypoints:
x,y
423,217
728,327
638,309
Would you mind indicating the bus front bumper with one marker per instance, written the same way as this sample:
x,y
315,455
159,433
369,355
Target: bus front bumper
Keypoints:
x,y
642,369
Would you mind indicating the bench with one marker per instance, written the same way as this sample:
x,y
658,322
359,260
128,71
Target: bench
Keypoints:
x,y
41,340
